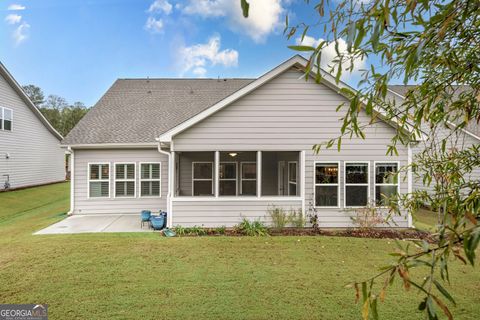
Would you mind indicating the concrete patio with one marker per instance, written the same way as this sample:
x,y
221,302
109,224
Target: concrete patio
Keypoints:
x,y
97,223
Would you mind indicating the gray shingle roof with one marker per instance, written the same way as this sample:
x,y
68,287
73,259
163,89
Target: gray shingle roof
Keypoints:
x,y
139,110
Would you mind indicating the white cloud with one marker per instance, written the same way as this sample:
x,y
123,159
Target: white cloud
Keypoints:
x,y
13,18
154,25
265,16
16,7
329,54
197,57
20,34
160,6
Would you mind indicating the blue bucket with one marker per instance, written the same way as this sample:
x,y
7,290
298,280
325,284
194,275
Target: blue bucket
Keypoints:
x,y
158,223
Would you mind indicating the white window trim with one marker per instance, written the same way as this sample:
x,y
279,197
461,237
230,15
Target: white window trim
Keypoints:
x,y
115,180
288,176
98,180
2,111
194,179
140,180
315,184
236,177
375,184
345,184
250,179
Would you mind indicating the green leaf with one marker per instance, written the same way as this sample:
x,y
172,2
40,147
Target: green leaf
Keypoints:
x,y
302,48
245,7
444,292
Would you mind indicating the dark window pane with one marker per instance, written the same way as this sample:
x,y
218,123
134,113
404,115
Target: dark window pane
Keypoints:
x,y
356,173
98,189
228,188
119,171
202,170
105,171
125,189
326,173
384,173
202,188
94,172
228,171
249,170
382,193
155,168
292,171
145,171
292,189
326,196
249,188
130,171
8,125
356,196
150,188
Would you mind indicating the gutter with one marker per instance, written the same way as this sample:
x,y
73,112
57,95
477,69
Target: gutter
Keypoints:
x,y
72,180
170,184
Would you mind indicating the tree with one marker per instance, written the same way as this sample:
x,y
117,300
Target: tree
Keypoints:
x,y
433,43
35,94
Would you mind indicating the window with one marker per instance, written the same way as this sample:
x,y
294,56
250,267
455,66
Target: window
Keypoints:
x,y
326,184
202,178
228,178
150,179
292,178
124,180
356,184
386,182
99,180
6,119
248,185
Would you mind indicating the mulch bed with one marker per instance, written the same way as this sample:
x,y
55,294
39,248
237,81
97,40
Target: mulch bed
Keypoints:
x,y
407,234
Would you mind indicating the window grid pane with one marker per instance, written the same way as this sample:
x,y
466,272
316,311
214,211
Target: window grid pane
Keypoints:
x,y
386,182
356,185
326,184
124,180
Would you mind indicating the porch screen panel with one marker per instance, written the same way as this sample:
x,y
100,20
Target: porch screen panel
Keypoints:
x,y
228,178
202,178
249,178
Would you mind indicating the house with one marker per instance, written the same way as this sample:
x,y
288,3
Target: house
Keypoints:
x,y
456,139
213,151
30,150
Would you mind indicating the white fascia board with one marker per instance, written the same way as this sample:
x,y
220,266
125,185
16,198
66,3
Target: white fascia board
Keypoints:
x,y
153,145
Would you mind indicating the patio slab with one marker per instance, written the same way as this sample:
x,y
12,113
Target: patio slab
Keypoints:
x,y
96,223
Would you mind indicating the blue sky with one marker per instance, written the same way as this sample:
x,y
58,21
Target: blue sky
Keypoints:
x,y
77,48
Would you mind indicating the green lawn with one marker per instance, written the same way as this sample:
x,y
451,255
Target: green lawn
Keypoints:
x,y
145,276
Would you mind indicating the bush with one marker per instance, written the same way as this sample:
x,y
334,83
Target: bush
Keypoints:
x,y
368,217
296,218
220,230
252,228
279,217
179,230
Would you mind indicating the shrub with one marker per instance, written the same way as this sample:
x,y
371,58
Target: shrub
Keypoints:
x,y
368,217
179,230
220,230
252,228
296,218
197,231
279,217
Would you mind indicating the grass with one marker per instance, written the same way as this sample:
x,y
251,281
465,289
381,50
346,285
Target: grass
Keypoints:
x,y
145,276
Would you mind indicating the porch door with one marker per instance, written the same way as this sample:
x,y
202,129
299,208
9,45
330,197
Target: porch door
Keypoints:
x,y
282,178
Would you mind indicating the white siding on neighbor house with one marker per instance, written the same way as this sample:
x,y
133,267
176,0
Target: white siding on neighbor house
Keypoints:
x,y
35,155
288,113
85,205
458,139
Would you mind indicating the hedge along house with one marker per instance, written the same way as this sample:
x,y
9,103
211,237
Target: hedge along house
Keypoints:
x,y
211,152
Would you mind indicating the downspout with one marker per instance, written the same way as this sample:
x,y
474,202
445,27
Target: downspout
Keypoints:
x,y
72,180
170,184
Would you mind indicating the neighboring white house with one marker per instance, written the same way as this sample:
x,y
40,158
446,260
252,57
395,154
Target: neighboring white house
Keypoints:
x,y
212,151
456,139
30,150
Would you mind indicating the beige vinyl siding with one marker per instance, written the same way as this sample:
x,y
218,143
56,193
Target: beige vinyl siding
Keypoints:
x,y
288,113
35,155
225,213
85,205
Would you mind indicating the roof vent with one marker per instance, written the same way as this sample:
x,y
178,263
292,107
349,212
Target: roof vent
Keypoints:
x,y
149,91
